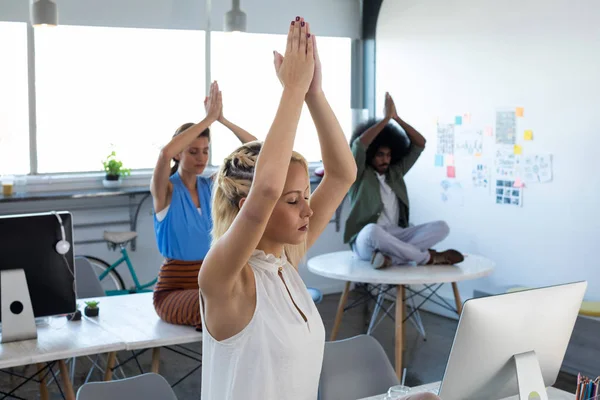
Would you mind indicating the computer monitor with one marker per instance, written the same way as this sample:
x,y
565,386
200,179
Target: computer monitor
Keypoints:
x,y
37,276
511,344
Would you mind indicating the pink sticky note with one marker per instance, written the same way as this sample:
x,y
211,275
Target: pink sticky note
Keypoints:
x,y
467,118
451,171
450,159
489,131
518,183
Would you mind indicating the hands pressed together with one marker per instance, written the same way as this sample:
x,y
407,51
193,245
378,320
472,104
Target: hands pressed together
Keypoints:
x,y
390,107
213,103
300,68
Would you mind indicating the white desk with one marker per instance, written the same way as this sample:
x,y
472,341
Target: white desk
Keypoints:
x,y
132,318
344,265
127,322
57,341
553,393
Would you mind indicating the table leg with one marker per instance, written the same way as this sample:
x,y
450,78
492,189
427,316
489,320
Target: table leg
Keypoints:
x,y
340,312
457,299
66,381
399,330
110,363
155,359
366,311
403,296
43,387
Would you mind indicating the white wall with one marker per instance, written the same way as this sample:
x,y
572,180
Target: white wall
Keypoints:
x,y
443,58
328,18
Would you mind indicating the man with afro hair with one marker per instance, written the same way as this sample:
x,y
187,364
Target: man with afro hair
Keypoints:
x,y
378,227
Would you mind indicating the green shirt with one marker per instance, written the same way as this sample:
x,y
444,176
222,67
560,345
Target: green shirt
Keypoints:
x,y
365,197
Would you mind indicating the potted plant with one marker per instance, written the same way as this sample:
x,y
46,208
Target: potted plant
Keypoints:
x,y
76,316
91,308
113,167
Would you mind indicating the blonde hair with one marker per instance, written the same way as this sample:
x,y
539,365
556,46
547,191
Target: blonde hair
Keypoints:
x,y
233,183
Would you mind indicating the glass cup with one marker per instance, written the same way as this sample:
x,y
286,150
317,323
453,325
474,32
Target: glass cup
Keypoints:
x,y
20,184
8,182
397,392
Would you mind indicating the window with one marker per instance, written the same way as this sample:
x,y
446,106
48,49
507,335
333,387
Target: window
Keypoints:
x,y
242,63
100,89
14,107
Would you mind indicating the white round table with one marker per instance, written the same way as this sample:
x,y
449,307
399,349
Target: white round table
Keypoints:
x,y
346,266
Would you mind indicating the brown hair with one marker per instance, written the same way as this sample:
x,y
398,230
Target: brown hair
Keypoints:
x,y
233,183
205,133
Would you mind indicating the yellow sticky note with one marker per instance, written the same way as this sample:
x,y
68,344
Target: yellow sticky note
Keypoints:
x,y
528,135
518,149
520,111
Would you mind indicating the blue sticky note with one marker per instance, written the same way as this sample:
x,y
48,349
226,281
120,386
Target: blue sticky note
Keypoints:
x,y
458,120
439,160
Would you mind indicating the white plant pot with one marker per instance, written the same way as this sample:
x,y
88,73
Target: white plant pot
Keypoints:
x,y
112,184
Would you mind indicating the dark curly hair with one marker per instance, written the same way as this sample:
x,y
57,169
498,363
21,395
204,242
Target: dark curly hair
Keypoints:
x,y
392,136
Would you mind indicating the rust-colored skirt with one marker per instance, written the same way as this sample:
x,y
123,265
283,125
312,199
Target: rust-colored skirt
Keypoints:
x,y
177,295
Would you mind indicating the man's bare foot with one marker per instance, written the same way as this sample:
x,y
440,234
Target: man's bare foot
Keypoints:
x,y
448,257
379,260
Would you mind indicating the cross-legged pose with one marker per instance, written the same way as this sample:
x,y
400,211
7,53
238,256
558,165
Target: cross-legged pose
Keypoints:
x,y
182,219
378,227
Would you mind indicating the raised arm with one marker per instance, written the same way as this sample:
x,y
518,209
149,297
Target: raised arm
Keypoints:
x,y
243,135
370,134
222,266
160,186
339,164
417,141
415,137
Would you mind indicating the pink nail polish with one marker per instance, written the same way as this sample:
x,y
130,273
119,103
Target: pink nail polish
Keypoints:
x,y
302,23
297,18
308,35
292,22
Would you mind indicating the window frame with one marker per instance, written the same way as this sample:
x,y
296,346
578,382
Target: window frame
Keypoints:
x,y
40,182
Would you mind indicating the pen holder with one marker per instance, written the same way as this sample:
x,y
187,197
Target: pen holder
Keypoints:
x,y
587,388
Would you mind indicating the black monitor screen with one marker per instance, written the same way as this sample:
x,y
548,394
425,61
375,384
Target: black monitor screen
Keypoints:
x,y
28,242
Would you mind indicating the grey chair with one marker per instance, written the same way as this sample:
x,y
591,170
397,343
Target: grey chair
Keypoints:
x,y
88,286
87,282
355,368
147,386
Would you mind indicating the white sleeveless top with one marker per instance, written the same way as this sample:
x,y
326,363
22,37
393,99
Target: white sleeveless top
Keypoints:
x,y
277,355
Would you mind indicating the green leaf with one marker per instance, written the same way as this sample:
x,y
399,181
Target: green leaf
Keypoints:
x,y
114,166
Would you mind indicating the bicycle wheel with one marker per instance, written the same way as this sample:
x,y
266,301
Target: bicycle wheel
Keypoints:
x,y
112,281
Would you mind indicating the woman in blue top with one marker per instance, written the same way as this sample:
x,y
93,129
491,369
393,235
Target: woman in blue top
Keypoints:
x,y
182,219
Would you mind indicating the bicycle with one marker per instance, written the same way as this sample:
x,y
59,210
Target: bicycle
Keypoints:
x,y
110,279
